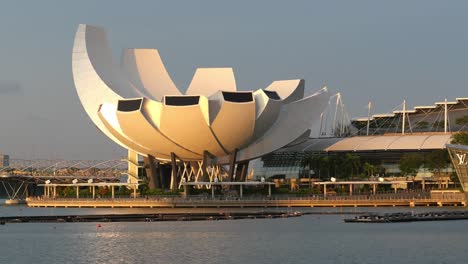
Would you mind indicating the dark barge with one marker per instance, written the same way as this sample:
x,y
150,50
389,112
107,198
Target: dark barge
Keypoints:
x,y
409,217
144,217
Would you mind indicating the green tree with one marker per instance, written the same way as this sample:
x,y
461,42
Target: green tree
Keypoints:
x,y
318,164
325,164
410,164
352,163
437,160
462,120
460,138
368,169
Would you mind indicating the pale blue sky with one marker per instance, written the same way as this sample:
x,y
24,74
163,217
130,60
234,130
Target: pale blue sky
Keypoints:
x,y
382,51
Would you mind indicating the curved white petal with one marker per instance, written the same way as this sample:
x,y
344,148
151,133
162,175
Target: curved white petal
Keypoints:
x,y
268,105
294,119
288,90
145,70
207,81
94,74
90,60
185,121
231,132
108,115
137,128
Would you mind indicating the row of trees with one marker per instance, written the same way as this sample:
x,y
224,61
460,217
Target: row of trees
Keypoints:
x,y
435,161
460,138
342,165
350,166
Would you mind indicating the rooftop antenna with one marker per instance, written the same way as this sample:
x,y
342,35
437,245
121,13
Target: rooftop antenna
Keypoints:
x,y
369,106
338,100
321,123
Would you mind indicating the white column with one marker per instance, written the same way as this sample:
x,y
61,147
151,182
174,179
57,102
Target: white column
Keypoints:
x,y
240,193
368,117
77,192
445,116
404,118
94,191
112,190
132,166
212,191
269,190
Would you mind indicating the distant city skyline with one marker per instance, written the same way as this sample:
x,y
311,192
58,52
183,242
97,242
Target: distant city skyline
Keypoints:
x,y
379,51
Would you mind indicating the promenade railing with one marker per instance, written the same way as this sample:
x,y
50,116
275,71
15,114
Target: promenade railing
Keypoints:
x,y
403,196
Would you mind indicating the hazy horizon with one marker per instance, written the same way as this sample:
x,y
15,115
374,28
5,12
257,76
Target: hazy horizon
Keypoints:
x,y
367,50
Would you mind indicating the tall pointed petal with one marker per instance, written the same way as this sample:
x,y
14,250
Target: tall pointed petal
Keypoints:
x,y
288,90
146,71
207,81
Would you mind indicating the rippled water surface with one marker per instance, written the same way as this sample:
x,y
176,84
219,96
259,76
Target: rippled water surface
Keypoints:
x,y
307,239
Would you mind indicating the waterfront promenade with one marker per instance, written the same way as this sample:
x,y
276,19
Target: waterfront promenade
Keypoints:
x,y
387,200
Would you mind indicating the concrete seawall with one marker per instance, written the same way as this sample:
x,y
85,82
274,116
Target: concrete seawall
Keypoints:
x,y
236,203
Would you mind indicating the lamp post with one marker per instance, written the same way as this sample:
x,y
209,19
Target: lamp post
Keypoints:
x,y
46,188
90,181
75,181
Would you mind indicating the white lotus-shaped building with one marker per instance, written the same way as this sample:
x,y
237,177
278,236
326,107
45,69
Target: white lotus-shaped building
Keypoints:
x,y
139,107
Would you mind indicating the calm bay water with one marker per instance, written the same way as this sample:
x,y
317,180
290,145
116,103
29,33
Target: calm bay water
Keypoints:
x,y
307,239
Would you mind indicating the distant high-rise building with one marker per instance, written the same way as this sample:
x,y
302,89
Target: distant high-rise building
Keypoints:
x,y
4,160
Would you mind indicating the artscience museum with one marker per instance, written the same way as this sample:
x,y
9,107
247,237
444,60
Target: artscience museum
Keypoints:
x,y
210,132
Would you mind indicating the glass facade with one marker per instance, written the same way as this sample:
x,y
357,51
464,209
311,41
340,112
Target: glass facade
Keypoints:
x,y
289,165
279,166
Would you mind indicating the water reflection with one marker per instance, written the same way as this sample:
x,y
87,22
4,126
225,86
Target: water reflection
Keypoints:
x,y
307,239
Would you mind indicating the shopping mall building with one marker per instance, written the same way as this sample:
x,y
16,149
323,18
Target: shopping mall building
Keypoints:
x,y
380,140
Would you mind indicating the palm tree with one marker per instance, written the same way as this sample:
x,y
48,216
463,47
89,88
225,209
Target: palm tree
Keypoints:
x,y
368,169
353,163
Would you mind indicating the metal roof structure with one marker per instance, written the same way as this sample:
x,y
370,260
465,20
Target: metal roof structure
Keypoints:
x,y
393,142
459,103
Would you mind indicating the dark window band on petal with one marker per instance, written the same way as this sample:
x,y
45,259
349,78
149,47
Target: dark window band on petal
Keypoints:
x,y
272,95
129,105
238,97
182,100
